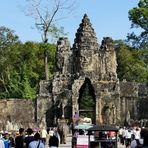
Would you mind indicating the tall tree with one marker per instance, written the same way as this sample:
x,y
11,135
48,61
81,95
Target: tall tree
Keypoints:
x,y
139,18
22,65
46,13
8,58
130,64
31,66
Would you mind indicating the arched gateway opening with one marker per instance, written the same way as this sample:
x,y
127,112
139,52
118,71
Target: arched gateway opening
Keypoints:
x,y
86,101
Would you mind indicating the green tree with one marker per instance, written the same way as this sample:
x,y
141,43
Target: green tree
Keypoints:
x,y
86,102
139,18
130,64
8,59
22,65
32,63
28,92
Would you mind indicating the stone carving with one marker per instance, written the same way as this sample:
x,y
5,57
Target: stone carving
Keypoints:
x,y
42,123
109,110
128,118
108,114
63,100
106,95
63,56
98,64
85,48
109,58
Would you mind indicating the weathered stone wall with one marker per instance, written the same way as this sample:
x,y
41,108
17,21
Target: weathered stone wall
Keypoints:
x,y
16,113
45,111
134,98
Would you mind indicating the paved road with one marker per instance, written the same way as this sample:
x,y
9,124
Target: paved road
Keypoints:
x,y
68,144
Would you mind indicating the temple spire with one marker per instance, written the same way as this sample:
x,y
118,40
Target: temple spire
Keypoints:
x,y
85,34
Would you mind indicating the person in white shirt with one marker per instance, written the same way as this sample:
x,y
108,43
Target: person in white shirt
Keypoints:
x,y
43,135
120,134
128,136
123,136
137,133
2,144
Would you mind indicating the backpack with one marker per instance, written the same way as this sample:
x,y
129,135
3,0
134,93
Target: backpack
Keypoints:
x,y
139,145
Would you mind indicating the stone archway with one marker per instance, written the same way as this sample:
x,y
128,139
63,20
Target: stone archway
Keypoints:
x,y
87,100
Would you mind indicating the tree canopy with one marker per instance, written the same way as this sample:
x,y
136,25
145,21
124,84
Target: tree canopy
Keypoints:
x,y
22,65
131,64
139,18
132,56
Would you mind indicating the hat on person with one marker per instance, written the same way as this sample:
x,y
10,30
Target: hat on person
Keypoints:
x,y
6,132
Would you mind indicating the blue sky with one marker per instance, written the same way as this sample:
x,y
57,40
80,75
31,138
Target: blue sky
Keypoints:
x,y
108,18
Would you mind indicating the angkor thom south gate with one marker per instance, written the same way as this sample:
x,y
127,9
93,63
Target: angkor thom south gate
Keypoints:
x,y
85,82
89,65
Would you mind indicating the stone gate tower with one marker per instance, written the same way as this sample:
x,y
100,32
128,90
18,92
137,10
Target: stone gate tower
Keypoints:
x,y
95,65
85,64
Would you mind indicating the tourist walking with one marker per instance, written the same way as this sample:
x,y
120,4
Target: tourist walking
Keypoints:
x,y
43,135
56,133
2,144
19,140
6,139
11,140
53,142
29,137
128,136
37,143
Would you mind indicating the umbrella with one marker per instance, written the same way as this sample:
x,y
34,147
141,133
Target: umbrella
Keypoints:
x,y
83,126
36,129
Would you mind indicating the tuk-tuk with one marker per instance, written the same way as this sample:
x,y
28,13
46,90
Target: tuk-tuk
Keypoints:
x,y
104,136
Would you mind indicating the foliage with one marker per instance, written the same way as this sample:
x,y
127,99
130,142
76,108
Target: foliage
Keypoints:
x,y
86,102
139,18
28,92
8,58
22,65
131,65
56,33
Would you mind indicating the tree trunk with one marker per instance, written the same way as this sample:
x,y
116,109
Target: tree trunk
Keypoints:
x,y
46,65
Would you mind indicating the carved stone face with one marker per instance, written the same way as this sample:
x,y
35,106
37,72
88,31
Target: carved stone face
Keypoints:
x,y
84,62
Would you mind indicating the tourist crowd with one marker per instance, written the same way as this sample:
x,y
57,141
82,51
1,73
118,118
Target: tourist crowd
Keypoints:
x,y
130,137
133,137
30,139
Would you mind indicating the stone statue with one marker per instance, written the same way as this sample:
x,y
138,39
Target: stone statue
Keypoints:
x,y
109,58
42,123
63,55
9,126
108,113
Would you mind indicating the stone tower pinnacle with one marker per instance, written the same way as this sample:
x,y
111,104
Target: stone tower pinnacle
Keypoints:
x,y
84,48
85,34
